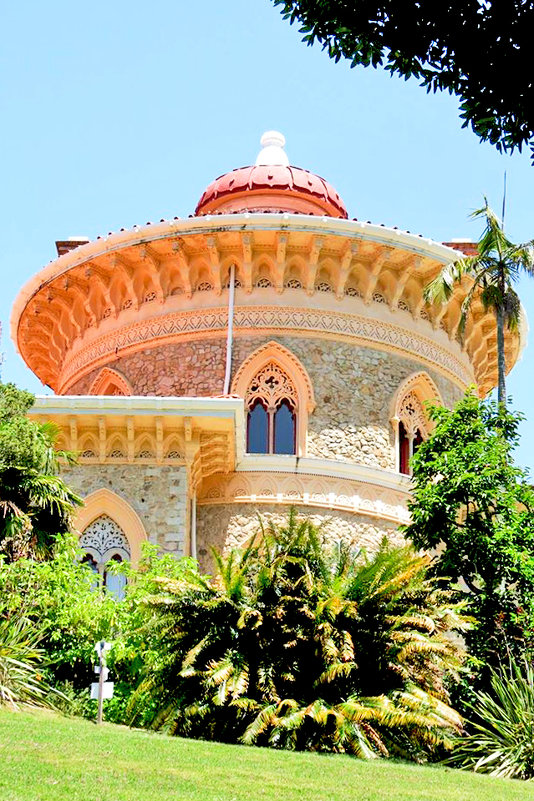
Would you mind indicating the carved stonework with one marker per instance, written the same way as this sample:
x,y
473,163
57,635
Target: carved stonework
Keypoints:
x,y
412,415
269,319
103,539
271,385
307,490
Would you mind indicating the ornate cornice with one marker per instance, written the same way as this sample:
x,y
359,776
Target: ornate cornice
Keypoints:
x,y
181,326
184,264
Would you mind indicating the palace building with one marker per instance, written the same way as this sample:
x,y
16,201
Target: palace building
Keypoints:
x,y
265,352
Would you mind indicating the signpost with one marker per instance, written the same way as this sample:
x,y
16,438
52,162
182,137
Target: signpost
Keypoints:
x,y
102,688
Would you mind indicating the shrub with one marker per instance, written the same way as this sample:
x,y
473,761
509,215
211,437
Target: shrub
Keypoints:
x,y
297,645
60,598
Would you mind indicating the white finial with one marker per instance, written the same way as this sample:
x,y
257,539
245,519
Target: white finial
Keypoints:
x,y
272,152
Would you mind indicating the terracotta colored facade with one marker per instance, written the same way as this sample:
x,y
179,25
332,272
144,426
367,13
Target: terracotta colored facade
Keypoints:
x,y
173,348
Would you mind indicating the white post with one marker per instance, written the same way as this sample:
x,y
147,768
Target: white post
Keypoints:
x,y
194,526
101,662
230,334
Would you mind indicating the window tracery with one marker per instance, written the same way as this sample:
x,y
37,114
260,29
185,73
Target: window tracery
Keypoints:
x,y
271,403
104,541
294,283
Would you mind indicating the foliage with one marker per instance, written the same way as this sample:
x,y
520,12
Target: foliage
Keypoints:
x,y
476,508
35,504
501,740
60,598
492,273
305,647
21,663
479,51
14,402
50,758
135,642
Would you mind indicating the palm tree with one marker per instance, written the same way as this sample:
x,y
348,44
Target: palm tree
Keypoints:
x,y
35,503
492,272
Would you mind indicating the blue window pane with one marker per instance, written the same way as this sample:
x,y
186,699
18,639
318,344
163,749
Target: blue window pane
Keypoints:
x,y
284,429
115,584
258,429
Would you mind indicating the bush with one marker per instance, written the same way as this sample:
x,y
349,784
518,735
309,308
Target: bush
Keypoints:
x,y
60,598
297,645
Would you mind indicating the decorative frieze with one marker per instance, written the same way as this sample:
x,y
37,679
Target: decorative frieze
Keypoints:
x,y
373,500
270,319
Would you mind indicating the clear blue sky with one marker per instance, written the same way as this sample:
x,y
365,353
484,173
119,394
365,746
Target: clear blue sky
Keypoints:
x,y
115,113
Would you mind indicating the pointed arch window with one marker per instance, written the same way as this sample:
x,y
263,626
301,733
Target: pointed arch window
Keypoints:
x,y
271,404
412,430
103,542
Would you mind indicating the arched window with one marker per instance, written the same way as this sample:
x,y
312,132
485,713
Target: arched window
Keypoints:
x,y
104,541
412,430
408,416
271,404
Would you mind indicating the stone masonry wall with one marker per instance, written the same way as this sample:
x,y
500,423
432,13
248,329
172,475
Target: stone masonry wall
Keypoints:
x,y
232,525
353,385
156,492
186,368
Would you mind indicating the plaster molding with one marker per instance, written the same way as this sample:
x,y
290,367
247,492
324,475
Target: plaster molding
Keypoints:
x,y
303,489
314,466
183,326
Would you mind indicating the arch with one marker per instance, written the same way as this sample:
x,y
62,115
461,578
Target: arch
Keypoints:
x,y
104,502
117,447
408,416
145,446
173,447
295,272
110,382
88,445
274,353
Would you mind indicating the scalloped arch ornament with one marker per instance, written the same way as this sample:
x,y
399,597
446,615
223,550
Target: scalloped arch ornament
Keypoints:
x,y
104,502
275,353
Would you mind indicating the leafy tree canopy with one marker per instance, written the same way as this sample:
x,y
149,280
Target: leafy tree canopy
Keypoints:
x,y
472,504
35,504
477,49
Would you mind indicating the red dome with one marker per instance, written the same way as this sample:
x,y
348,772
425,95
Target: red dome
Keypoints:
x,y
273,188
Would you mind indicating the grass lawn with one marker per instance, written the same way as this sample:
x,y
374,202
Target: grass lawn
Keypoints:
x,y
44,757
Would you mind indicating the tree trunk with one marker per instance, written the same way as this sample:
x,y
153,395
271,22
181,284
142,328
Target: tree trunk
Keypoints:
x,y
501,359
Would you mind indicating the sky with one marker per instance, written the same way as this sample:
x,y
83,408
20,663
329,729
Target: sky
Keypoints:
x,y
117,113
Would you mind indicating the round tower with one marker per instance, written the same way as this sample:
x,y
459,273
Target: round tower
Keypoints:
x,y
265,352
